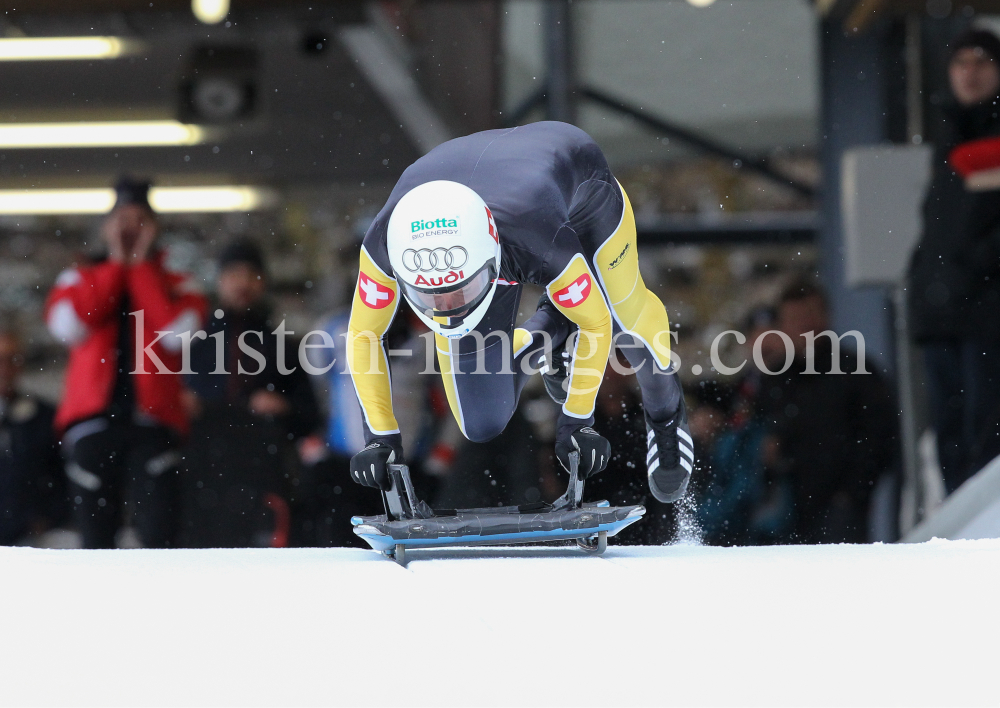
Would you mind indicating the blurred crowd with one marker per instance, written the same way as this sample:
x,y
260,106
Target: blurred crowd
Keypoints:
x,y
796,457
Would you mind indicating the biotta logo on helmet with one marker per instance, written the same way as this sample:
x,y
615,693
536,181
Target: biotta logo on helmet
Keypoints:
x,y
425,260
437,227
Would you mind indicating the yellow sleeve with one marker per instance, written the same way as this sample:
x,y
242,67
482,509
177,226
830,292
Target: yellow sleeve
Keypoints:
x,y
575,293
375,301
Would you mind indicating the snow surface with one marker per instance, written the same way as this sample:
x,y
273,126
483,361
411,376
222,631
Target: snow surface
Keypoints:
x,y
798,625
971,512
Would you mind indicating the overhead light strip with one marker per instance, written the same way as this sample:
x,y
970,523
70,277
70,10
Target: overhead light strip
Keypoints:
x,y
99,134
63,48
210,12
207,199
231,198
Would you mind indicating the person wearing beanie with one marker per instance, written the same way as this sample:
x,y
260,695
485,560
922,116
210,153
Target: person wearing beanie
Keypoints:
x,y
252,400
124,317
972,70
954,275
242,251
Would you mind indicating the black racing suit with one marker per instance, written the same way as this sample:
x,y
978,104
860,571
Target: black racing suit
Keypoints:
x,y
564,223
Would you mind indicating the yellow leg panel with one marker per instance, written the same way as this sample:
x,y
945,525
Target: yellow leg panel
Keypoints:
x,y
653,327
637,310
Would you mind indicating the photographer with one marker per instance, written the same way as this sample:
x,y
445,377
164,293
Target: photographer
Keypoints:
x,y
121,416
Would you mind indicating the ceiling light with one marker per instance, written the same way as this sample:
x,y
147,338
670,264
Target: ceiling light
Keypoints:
x,y
162,199
180,199
210,11
56,48
105,134
56,201
700,3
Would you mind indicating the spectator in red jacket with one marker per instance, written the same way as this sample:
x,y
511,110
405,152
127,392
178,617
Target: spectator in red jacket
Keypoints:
x,y
125,318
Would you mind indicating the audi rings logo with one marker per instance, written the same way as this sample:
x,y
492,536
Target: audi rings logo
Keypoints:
x,y
424,260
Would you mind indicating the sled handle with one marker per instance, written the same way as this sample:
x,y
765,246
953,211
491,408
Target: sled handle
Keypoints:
x,y
573,496
575,489
400,499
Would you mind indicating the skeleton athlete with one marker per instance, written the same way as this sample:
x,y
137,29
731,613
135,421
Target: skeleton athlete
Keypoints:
x,y
464,227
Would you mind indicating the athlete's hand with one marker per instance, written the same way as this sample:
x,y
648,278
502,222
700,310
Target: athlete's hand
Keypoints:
x,y
370,467
595,451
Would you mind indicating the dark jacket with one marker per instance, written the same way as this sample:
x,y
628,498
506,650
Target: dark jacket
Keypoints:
x,y
219,392
837,434
32,483
954,277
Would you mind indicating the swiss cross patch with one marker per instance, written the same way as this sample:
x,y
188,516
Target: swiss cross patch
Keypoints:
x,y
373,294
492,224
574,293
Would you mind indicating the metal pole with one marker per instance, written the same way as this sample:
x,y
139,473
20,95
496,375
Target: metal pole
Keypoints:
x,y
912,506
561,104
710,146
914,79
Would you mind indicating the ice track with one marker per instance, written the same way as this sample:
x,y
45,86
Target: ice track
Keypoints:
x,y
834,625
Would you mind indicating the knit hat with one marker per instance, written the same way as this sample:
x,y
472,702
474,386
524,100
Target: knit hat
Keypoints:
x,y
129,190
981,38
242,251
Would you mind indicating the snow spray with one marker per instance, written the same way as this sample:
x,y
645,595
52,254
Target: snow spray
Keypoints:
x,y
687,531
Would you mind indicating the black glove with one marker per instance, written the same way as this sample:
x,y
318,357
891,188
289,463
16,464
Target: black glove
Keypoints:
x,y
594,450
370,467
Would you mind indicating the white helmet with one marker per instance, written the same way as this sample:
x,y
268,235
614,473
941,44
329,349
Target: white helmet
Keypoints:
x,y
445,252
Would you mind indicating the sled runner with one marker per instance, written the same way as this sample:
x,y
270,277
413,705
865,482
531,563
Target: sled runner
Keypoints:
x,y
410,523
